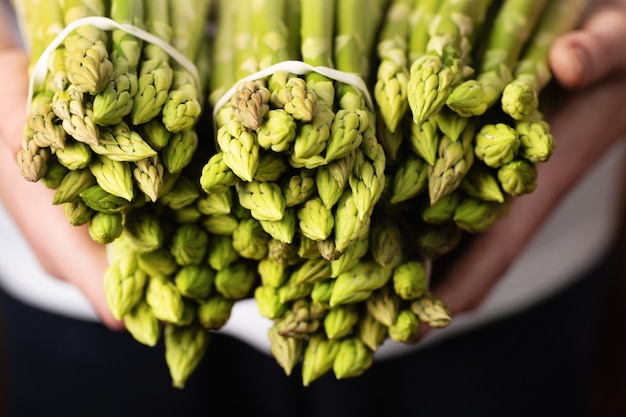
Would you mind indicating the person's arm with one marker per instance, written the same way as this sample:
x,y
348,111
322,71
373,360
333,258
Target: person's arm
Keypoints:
x,y
14,66
591,62
64,251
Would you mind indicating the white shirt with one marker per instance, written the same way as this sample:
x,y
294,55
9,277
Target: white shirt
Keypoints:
x,y
577,234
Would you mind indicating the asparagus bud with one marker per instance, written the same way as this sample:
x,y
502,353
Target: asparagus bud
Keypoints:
x,y
286,350
214,312
410,280
142,324
339,321
431,310
185,347
406,327
318,358
497,144
352,359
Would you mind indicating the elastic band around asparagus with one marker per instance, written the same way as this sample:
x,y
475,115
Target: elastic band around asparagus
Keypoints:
x,y
40,69
297,68
116,100
183,106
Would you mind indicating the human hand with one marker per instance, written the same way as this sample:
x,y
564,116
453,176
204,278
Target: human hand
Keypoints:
x,y
591,64
64,251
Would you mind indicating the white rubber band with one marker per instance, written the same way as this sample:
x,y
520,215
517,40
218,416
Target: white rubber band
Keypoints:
x,y
40,69
299,68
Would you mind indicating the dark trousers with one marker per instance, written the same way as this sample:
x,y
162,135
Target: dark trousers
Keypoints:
x,y
540,362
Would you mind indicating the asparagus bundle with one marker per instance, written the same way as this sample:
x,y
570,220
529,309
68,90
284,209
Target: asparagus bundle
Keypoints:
x,y
111,128
299,151
88,136
455,173
462,165
458,158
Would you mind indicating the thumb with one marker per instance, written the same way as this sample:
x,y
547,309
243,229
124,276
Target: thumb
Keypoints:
x,y
87,272
584,56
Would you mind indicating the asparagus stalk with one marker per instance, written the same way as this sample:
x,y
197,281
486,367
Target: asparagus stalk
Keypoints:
x,y
435,74
246,61
32,159
116,101
182,108
351,120
293,18
223,72
316,31
188,20
88,69
270,31
288,92
216,175
375,17
454,159
350,37
424,137
513,25
420,21
42,122
202,61
392,76
39,23
354,130
520,97
155,71
88,62
250,104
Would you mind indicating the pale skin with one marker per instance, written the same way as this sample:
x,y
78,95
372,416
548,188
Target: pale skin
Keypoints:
x,y
65,252
590,62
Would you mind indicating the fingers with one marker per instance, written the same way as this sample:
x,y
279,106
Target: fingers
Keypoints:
x,y
470,279
63,250
88,270
581,58
13,67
